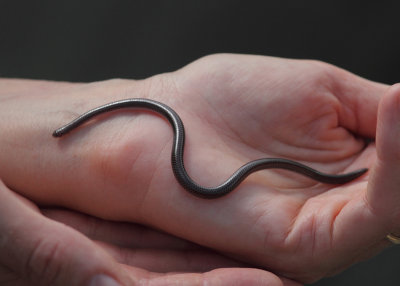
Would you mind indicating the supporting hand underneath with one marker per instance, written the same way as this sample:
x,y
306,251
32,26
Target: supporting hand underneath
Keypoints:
x,y
39,247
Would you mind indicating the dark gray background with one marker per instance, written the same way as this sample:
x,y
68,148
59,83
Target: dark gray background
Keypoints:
x,y
95,40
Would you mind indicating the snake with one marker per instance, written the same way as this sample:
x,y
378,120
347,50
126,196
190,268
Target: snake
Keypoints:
x,y
177,161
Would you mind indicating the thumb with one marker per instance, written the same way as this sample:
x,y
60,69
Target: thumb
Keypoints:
x,y
39,251
383,194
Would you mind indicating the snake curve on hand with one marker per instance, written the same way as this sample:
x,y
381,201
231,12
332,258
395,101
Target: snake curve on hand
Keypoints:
x,y
178,147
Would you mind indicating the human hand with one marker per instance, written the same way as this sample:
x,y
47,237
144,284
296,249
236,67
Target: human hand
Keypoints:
x,y
235,109
37,249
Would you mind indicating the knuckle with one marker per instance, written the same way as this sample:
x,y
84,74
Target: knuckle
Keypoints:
x,y
44,262
324,73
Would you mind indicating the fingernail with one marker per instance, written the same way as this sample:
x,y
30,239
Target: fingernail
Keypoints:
x,y
103,280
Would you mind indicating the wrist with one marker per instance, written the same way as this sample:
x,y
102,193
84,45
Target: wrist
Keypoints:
x,y
104,168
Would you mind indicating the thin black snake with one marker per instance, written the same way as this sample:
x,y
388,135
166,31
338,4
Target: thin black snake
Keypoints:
x,y
178,147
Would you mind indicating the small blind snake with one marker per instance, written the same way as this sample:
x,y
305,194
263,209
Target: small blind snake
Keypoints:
x,y
178,147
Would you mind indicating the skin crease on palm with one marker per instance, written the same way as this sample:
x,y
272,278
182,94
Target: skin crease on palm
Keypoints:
x,y
235,108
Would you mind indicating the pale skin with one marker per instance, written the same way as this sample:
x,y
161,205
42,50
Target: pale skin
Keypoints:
x,y
235,108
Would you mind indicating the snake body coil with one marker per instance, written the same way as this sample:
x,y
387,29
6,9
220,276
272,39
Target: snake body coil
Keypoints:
x,y
178,147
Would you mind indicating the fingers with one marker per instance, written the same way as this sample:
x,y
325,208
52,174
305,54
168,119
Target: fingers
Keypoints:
x,y
171,260
43,252
127,235
37,251
142,247
361,224
161,253
359,100
384,187
227,276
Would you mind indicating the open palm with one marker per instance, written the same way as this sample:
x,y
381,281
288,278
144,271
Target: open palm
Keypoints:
x,y
245,108
235,109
